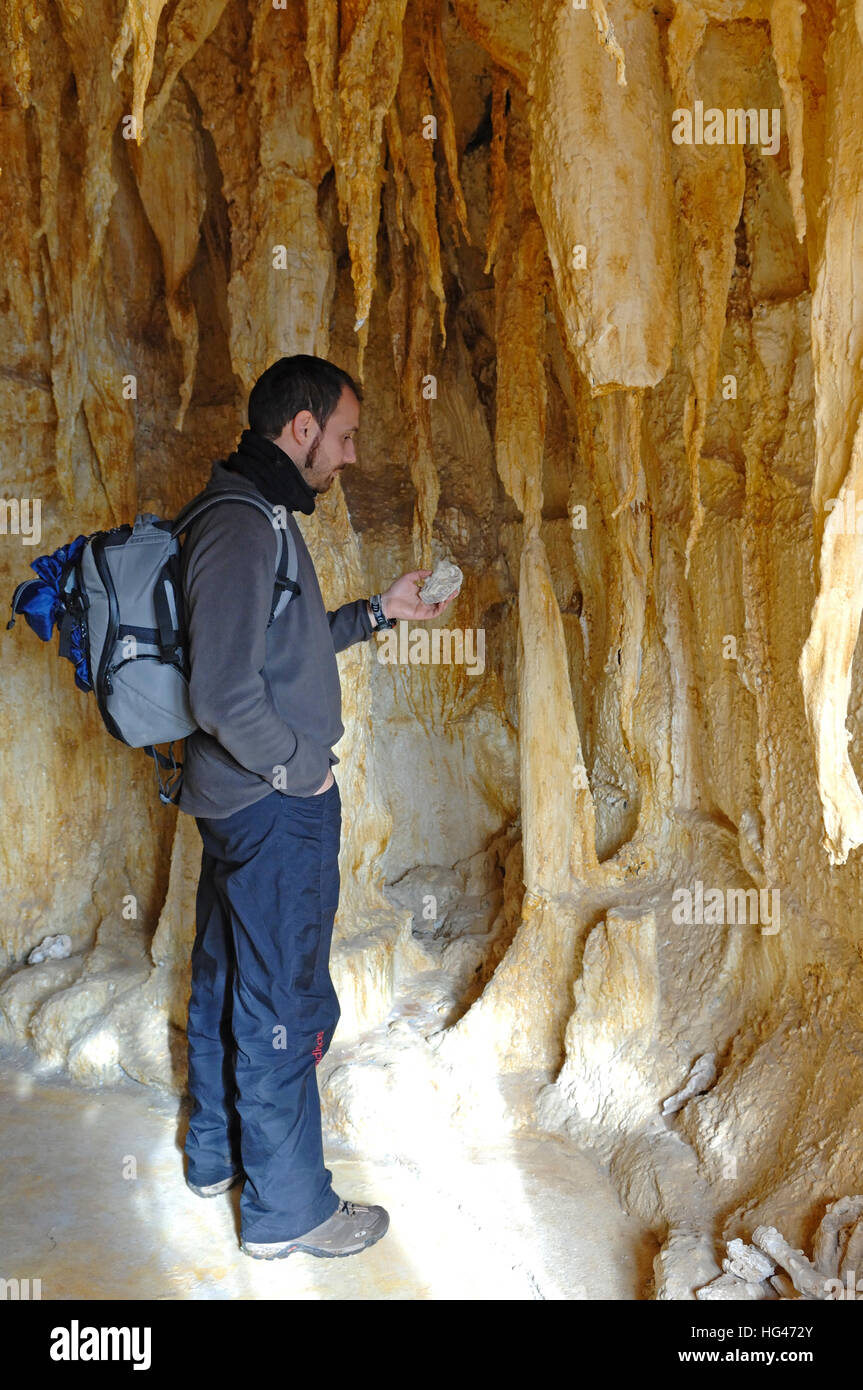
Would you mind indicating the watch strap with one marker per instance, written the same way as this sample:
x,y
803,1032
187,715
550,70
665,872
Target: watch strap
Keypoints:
x,y
378,614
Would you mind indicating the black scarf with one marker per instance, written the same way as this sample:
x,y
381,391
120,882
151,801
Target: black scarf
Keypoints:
x,y
273,473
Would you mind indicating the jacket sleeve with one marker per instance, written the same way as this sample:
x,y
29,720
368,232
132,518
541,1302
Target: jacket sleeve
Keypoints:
x,y
228,590
349,624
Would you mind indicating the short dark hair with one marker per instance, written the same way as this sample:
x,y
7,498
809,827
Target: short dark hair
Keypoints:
x,y
293,384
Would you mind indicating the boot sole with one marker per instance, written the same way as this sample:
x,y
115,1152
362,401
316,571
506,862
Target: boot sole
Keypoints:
x,y
314,1250
207,1190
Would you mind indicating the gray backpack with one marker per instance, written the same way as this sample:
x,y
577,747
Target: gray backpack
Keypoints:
x,y
118,604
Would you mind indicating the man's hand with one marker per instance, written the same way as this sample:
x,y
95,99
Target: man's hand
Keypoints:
x,y
328,783
402,600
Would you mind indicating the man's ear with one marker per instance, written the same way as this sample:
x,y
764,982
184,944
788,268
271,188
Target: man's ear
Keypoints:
x,y
301,425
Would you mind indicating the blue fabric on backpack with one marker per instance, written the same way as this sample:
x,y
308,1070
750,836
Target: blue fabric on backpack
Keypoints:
x,y
42,605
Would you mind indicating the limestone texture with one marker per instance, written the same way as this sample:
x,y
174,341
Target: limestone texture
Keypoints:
x,y
619,381
444,580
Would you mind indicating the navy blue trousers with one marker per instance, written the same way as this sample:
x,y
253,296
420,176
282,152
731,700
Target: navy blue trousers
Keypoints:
x,y
263,1009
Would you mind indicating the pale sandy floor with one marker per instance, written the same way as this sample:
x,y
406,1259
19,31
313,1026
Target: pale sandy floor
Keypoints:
x,y
93,1203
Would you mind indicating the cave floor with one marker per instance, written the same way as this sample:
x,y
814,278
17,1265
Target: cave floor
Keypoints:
x,y
95,1206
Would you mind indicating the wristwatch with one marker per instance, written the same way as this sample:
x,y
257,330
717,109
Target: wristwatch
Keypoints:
x,y
381,620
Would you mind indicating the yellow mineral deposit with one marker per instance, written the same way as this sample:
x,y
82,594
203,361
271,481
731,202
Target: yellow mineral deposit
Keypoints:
x,y
617,378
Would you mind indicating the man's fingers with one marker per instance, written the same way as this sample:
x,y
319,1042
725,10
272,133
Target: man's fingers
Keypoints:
x,y
442,603
445,602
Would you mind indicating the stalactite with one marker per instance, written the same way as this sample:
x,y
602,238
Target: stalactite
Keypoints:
x,y
765,610
786,32
521,392
504,28
235,132
398,243
322,56
606,36
414,161
169,169
558,831
398,176
709,184
281,253
633,547
85,372
284,212
434,53
837,350
138,32
190,25
100,105
497,165
613,746
369,67
18,249
615,276
417,402
609,428
17,18
556,806
410,319
685,35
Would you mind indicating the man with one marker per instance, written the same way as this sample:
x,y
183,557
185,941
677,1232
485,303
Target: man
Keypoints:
x,y
259,781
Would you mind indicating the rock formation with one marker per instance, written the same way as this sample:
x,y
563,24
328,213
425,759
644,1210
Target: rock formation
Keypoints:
x,y
618,378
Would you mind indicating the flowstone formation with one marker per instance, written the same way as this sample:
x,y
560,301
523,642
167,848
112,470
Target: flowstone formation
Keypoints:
x,y
599,271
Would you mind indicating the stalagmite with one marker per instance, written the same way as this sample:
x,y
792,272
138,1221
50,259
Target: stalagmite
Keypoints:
x,y
558,821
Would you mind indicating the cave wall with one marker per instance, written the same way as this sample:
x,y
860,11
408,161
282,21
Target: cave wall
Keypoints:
x,y
648,388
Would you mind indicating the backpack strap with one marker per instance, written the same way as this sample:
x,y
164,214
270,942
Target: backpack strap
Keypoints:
x,y
287,564
169,790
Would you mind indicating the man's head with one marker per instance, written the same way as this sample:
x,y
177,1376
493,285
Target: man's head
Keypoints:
x,y
310,408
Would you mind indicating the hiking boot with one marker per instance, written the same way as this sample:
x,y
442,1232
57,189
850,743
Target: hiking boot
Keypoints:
x,y
351,1228
214,1189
